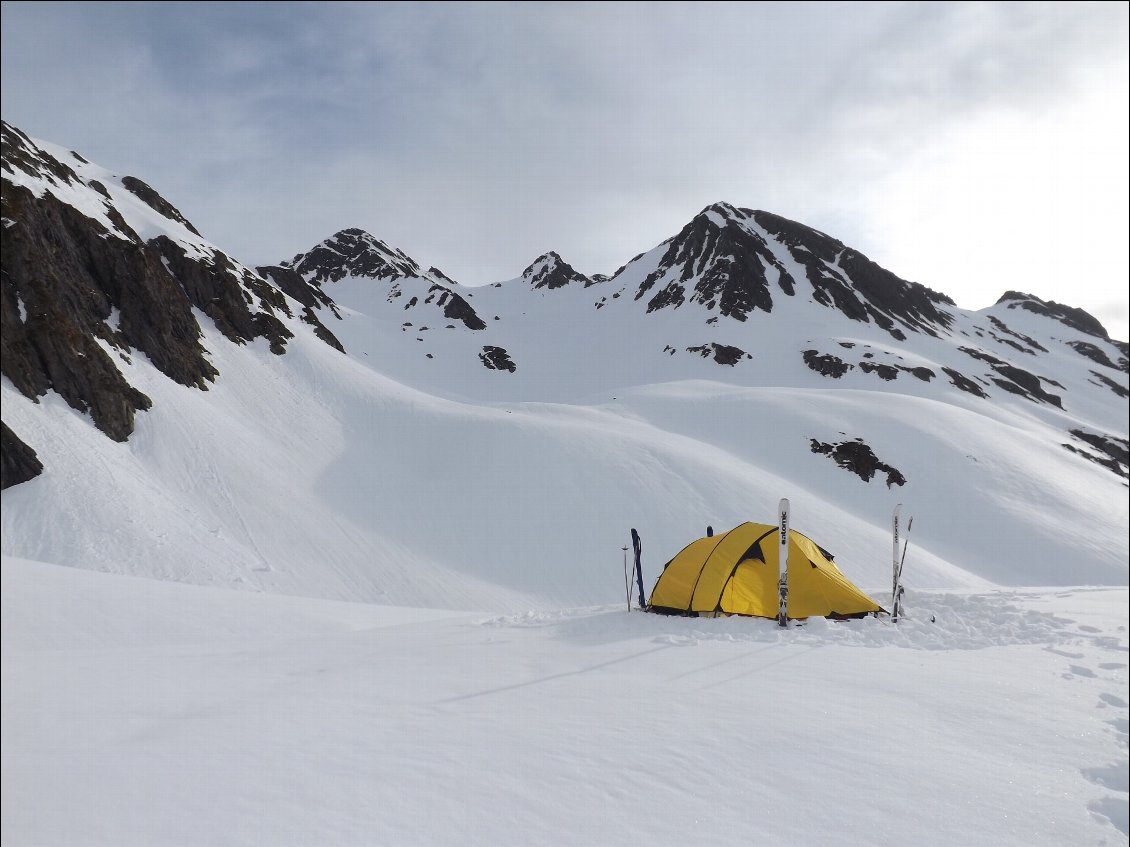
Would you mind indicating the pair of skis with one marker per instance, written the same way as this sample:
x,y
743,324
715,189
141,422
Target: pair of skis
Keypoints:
x,y
897,561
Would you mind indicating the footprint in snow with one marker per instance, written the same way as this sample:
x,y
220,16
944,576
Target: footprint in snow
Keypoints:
x,y
1111,666
1064,653
1079,670
676,640
1115,777
1113,810
1106,699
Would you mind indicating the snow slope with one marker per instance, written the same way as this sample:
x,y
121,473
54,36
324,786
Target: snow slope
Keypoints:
x,y
140,712
356,487
406,472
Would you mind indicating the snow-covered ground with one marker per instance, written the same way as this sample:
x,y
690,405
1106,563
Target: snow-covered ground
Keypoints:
x,y
137,712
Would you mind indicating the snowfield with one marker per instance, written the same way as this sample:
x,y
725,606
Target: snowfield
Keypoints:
x,y
138,712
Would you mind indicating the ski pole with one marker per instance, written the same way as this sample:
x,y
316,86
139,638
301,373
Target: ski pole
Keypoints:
x,y
627,583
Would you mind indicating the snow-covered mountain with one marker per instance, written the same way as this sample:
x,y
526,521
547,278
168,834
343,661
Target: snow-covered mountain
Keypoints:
x,y
347,425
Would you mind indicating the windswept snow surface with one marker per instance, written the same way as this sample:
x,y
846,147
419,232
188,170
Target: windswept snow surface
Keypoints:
x,y
137,712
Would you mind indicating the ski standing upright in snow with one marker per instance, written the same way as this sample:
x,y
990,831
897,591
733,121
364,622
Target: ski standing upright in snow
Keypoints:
x,y
783,560
637,548
897,562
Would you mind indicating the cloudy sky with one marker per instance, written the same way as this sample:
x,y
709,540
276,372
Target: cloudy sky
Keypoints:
x,y
973,147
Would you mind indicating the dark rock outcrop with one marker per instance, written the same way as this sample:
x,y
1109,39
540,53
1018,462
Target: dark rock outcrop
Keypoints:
x,y
497,359
550,271
156,202
1117,448
18,462
1116,387
353,252
857,457
356,253
455,307
80,292
727,265
1028,344
826,364
1067,315
1015,380
1096,355
69,287
885,372
853,284
723,354
309,294
961,381
729,259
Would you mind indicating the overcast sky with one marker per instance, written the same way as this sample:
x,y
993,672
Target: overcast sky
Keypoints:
x,y
974,148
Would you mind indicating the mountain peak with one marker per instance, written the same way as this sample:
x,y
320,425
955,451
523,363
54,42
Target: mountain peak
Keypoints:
x,y
354,252
1072,317
551,271
722,213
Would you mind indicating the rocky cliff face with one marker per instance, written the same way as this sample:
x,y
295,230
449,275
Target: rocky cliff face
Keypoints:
x,y
81,291
354,253
550,271
734,260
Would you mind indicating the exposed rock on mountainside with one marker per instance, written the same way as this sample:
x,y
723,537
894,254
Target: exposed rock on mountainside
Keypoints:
x,y
826,364
356,253
497,359
723,354
551,271
1113,453
1016,380
81,289
857,457
18,462
1074,318
353,252
156,202
83,294
734,259
961,381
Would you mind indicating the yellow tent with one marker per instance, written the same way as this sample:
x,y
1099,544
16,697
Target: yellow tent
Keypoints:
x,y
737,572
